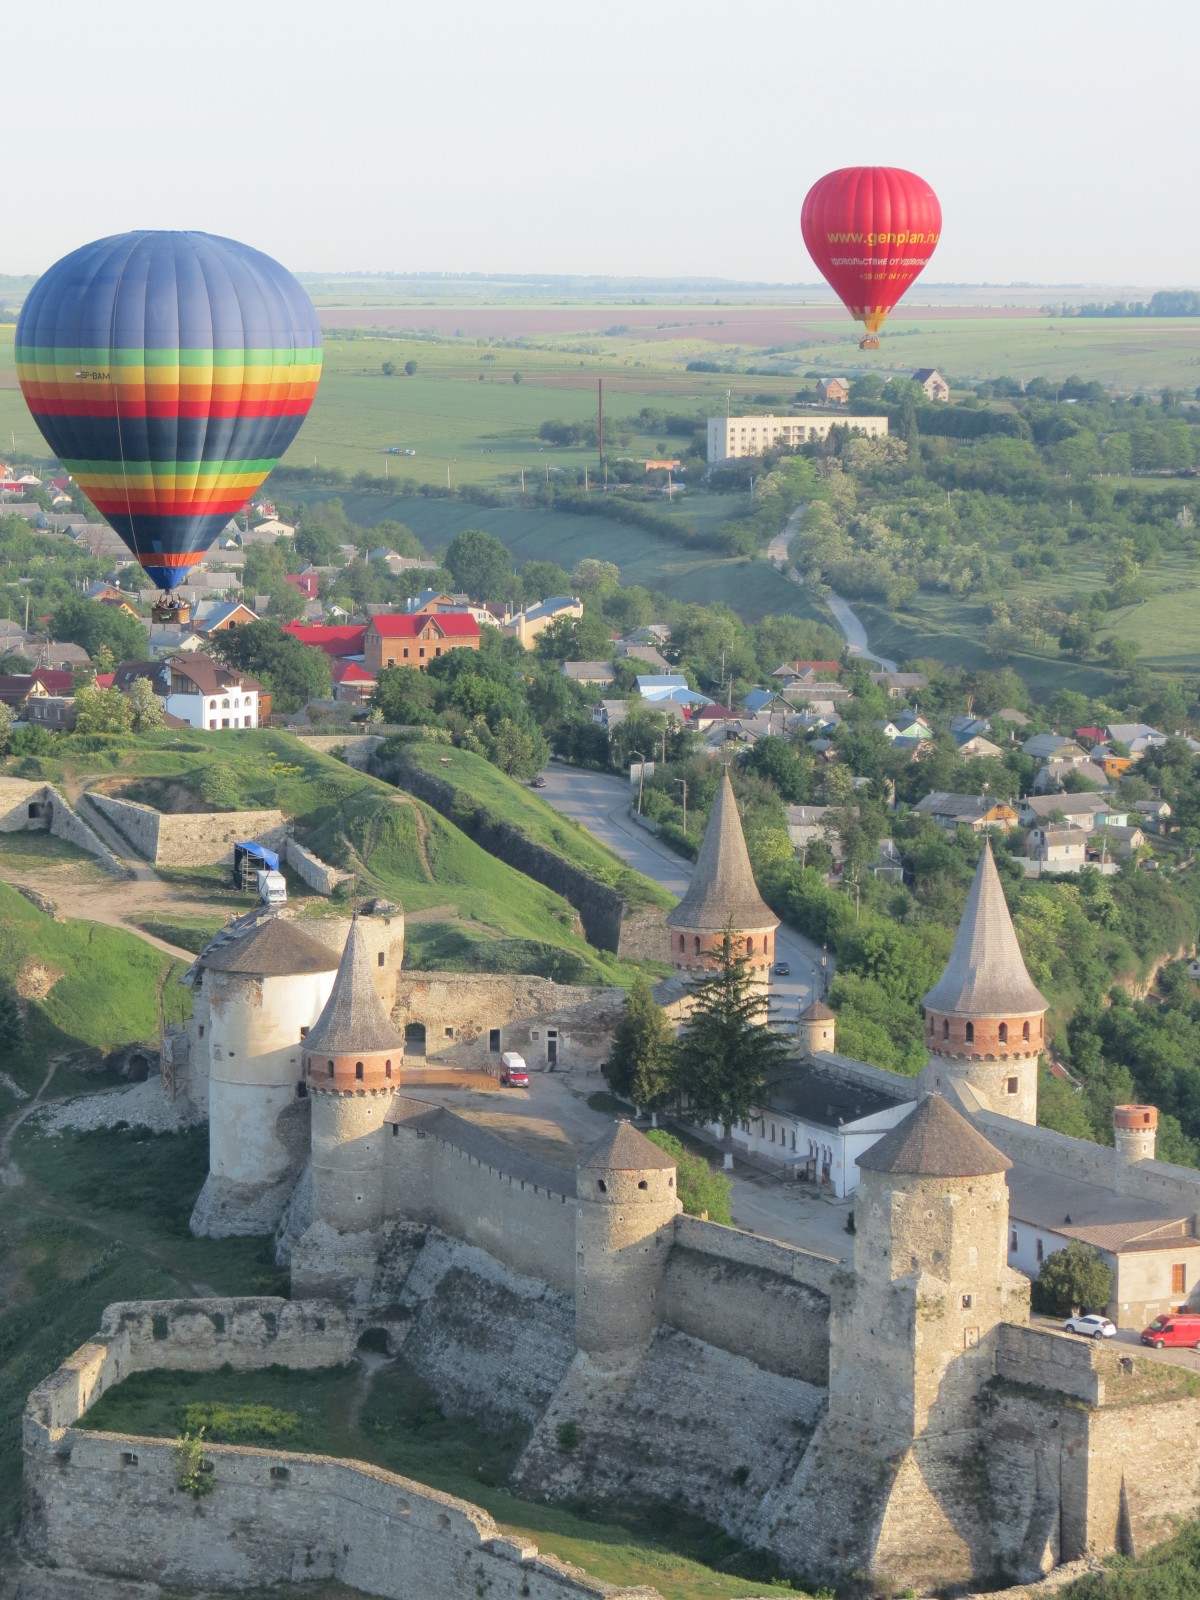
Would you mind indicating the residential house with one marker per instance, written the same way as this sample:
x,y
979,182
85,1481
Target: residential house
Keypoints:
x,y
13,638
169,638
965,726
270,529
610,714
806,823
758,700
735,438
645,653
977,748
973,811
55,712
432,601
341,641
597,674
705,718
1014,718
58,656
1119,841
833,391
897,685
935,386
806,670
912,725
1059,849
352,683
100,589
1152,815
395,563
308,583
1087,811
199,690
654,633
1139,736
1053,747
1054,773
817,690
530,624
415,641
221,616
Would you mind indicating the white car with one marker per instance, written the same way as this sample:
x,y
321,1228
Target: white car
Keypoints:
x,y
1091,1326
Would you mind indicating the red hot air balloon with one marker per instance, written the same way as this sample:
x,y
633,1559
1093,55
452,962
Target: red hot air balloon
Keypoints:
x,y
870,230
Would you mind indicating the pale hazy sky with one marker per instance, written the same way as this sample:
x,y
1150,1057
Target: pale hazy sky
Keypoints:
x,y
621,136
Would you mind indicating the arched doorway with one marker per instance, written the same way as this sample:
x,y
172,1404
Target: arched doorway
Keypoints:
x,y
414,1038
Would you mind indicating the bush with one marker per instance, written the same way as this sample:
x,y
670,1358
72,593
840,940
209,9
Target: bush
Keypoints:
x,y
566,1435
1072,1279
702,1192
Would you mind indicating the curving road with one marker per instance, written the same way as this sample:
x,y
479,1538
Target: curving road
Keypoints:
x,y
852,629
601,804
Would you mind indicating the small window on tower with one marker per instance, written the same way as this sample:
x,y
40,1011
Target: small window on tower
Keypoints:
x,y
381,960
970,1033
1004,1033
945,1028
966,1302
358,1070
1013,1086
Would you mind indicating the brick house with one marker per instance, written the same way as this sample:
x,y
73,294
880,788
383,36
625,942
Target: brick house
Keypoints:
x,y
415,641
835,391
935,386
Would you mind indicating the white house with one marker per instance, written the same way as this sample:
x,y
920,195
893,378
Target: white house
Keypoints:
x,y
198,690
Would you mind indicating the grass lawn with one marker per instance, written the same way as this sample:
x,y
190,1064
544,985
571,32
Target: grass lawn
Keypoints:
x,y
402,1428
187,930
27,854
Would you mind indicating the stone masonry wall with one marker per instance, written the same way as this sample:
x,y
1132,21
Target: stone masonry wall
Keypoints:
x,y
110,1502
65,823
471,1004
189,839
747,1249
357,750
311,869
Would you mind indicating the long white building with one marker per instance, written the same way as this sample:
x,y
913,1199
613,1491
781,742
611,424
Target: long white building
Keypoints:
x,y
732,437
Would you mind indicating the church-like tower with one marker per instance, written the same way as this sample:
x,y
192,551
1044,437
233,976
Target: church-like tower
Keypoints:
x,y
352,1060
722,896
985,1019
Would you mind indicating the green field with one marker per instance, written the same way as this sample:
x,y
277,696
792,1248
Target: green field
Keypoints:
x,y
403,1430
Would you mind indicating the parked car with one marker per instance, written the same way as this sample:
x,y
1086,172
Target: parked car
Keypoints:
x,y
537,783
782,970
1177,1329
1091,1326
514,1074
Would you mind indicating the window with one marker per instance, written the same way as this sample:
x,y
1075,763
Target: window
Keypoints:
x,y
387,1069
237,705
381,959
301,1091
212,705
1012,1243
245,722
1025,1032
1040,1250
212,722
1179,1278
966,1302
970,1033
225,704
391,660
697,944
448,1033
945,1028
494,1041
1013,1086
304,1033
358,1071
601,1185
749,947
1004,1033
331,1069
422,652
682,943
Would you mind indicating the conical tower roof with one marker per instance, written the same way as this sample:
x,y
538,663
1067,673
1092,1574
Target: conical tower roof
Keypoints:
x,y
986,975
934,1141
624,1149
354,1020
723,890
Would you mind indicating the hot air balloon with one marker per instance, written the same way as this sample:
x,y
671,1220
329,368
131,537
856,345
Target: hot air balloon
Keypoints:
x,y
870,230
168,372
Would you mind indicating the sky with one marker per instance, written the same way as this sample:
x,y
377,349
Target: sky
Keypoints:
x,y
657,139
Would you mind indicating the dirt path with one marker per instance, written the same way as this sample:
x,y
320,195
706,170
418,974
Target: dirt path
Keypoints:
x,y
852,629
371,1364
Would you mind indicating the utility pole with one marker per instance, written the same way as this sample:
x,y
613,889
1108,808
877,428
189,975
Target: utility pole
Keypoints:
x,y
683,784
522,480
600,405
585,478
641,775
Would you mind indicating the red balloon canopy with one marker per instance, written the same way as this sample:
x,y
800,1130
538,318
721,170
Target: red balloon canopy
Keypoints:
x,y
870,231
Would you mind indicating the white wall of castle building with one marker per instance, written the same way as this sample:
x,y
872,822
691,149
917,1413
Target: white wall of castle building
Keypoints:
x,y
1146,1283
255,1064
827,1156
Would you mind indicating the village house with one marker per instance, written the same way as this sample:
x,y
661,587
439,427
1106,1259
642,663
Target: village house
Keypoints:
x,y
646,654
352,683
415,641
973,811
528,626
1153,815
596,674
1087,811
976,748
935,386
308,583
267,531
661,688
1137,736
341,641
1054,774
833,391
221,616
806,671
200,691
610,714
1059,849
897,685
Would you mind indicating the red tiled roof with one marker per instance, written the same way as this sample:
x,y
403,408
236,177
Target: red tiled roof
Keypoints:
x,y
451,624
351,672
346,640
104,680
55,680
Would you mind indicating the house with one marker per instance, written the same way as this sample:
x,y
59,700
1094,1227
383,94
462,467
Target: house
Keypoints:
x,y
221,616
816,690
1061,849
198,689
1086,811
912,725
270,529
965,726
55,712
977,748
340,641
98,589
12,637
1053,747
1052,775
308,583
645,653
431,601
415,641
654,633
833,391
1152,815
1139,736
168,638
352,683
787,670
735,438
395,563
1119,841
668,687
56,655
806,823
935,386
974,811
1014,718
610,714
530,624
598,674
705,718
896,685
758,700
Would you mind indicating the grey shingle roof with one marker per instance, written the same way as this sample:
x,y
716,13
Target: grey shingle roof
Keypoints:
x,y
270,947
934,1141
624,1149
723,890
818,1011
354,1018
435,1122
985,975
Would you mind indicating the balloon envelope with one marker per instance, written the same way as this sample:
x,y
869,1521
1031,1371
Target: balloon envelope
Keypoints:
x,y
168,372
870,230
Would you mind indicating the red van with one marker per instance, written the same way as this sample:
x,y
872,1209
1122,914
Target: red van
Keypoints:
x,y
1177,1328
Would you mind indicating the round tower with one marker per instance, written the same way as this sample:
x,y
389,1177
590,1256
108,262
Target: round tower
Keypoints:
x,y
257,988
627,1205
722,898
1135,1134
352,1061
985,1019
382,928
816,1029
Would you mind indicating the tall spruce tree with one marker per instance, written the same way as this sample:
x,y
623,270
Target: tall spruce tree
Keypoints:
x,y
641,1063
728,1050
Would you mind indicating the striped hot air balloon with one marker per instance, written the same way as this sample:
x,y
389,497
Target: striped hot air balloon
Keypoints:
x,y
168,372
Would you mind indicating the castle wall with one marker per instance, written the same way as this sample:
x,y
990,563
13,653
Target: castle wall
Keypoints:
x,y
188,839
711,1239
750,1311
39,808
460,1010
356,750
311,870
110,1502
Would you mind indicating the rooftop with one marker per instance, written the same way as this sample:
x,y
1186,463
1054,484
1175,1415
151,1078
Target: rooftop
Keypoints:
x,y
723,890
934,1141
827,1099
266,947
434,1122
986,974
1099,1216
624,1149
354,1018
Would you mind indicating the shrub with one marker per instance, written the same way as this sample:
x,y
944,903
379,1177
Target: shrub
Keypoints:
x,y
1070,1279
566,1435
702,1192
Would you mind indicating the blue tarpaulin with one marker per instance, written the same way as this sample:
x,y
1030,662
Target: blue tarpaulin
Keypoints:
x,y
259,852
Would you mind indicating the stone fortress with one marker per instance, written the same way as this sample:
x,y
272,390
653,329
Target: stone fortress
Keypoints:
x,y
896,1415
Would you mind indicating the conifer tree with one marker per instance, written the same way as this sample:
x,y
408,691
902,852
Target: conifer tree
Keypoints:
x,y
728,1051
641,1063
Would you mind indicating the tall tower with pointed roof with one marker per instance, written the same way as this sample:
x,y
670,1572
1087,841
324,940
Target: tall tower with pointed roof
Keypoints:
x,y
985,1019
722,896
352,1060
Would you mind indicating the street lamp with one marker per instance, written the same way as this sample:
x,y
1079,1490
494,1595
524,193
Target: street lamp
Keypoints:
x,y
641,775
683,783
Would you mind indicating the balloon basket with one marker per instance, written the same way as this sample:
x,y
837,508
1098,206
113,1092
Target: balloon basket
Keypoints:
x,y
869,341
172,611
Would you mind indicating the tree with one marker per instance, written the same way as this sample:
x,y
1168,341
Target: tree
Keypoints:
x,y
591,576
145,706
92,626
293,672
102,711
318,543
6,719
410,368
641,1060
388,368
406,697
516,377
702,1192
286,603
480,564
727,1052
519,751
1074,1279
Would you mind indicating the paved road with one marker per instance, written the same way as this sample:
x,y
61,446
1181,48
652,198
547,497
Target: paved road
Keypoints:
x,y
601,803
852,629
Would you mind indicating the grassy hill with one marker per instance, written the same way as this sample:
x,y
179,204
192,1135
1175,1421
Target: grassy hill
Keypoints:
x,y
396,846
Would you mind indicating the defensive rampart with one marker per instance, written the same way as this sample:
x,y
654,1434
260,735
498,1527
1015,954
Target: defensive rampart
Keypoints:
x,y
188,839
39,808
112,1503
316,873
